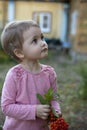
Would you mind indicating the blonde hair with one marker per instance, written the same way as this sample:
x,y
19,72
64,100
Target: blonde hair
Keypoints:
x,y
12,36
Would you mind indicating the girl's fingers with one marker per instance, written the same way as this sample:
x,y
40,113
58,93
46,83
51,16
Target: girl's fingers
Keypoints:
x,y
47,110
45,116
46,106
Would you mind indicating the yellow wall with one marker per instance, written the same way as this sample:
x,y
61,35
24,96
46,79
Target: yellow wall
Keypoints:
x,y
3,13
25,10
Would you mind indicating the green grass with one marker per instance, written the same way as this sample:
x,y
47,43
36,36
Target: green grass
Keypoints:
x,y
83,85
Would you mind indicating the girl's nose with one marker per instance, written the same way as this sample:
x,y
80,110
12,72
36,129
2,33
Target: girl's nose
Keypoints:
x,y
43,43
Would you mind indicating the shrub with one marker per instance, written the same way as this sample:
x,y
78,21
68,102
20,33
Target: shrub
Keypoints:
x,y
0,38
83,85
3,57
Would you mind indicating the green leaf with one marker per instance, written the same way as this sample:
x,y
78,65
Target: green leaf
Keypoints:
x,y
41,99
56,96
49,95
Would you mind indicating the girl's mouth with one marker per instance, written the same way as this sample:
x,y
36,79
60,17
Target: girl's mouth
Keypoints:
x,y
45,49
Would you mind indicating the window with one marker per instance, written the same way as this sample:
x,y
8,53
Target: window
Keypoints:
x,y
44,20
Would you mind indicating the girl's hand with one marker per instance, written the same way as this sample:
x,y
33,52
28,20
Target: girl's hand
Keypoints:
x,y
42,111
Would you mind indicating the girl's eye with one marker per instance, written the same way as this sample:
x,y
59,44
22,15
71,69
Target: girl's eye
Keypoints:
x,y
34,41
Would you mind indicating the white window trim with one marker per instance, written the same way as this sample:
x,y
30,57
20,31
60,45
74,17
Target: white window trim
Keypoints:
x,y
41,20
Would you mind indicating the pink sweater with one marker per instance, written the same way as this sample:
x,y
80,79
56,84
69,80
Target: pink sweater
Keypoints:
x,y
19,97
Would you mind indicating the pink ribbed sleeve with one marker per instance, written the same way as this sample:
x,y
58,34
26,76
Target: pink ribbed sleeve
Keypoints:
x,y
9,105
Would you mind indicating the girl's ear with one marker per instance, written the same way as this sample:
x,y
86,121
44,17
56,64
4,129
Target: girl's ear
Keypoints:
x,y
19,53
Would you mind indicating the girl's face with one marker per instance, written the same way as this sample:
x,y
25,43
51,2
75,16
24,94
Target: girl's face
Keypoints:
x,y
34,46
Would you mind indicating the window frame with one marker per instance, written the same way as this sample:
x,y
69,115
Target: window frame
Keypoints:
x,y
40,15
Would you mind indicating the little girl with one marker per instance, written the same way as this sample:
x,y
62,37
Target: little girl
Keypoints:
x,y
24,41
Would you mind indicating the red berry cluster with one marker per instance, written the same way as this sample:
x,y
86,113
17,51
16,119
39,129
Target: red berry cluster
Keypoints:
x,y
57,123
